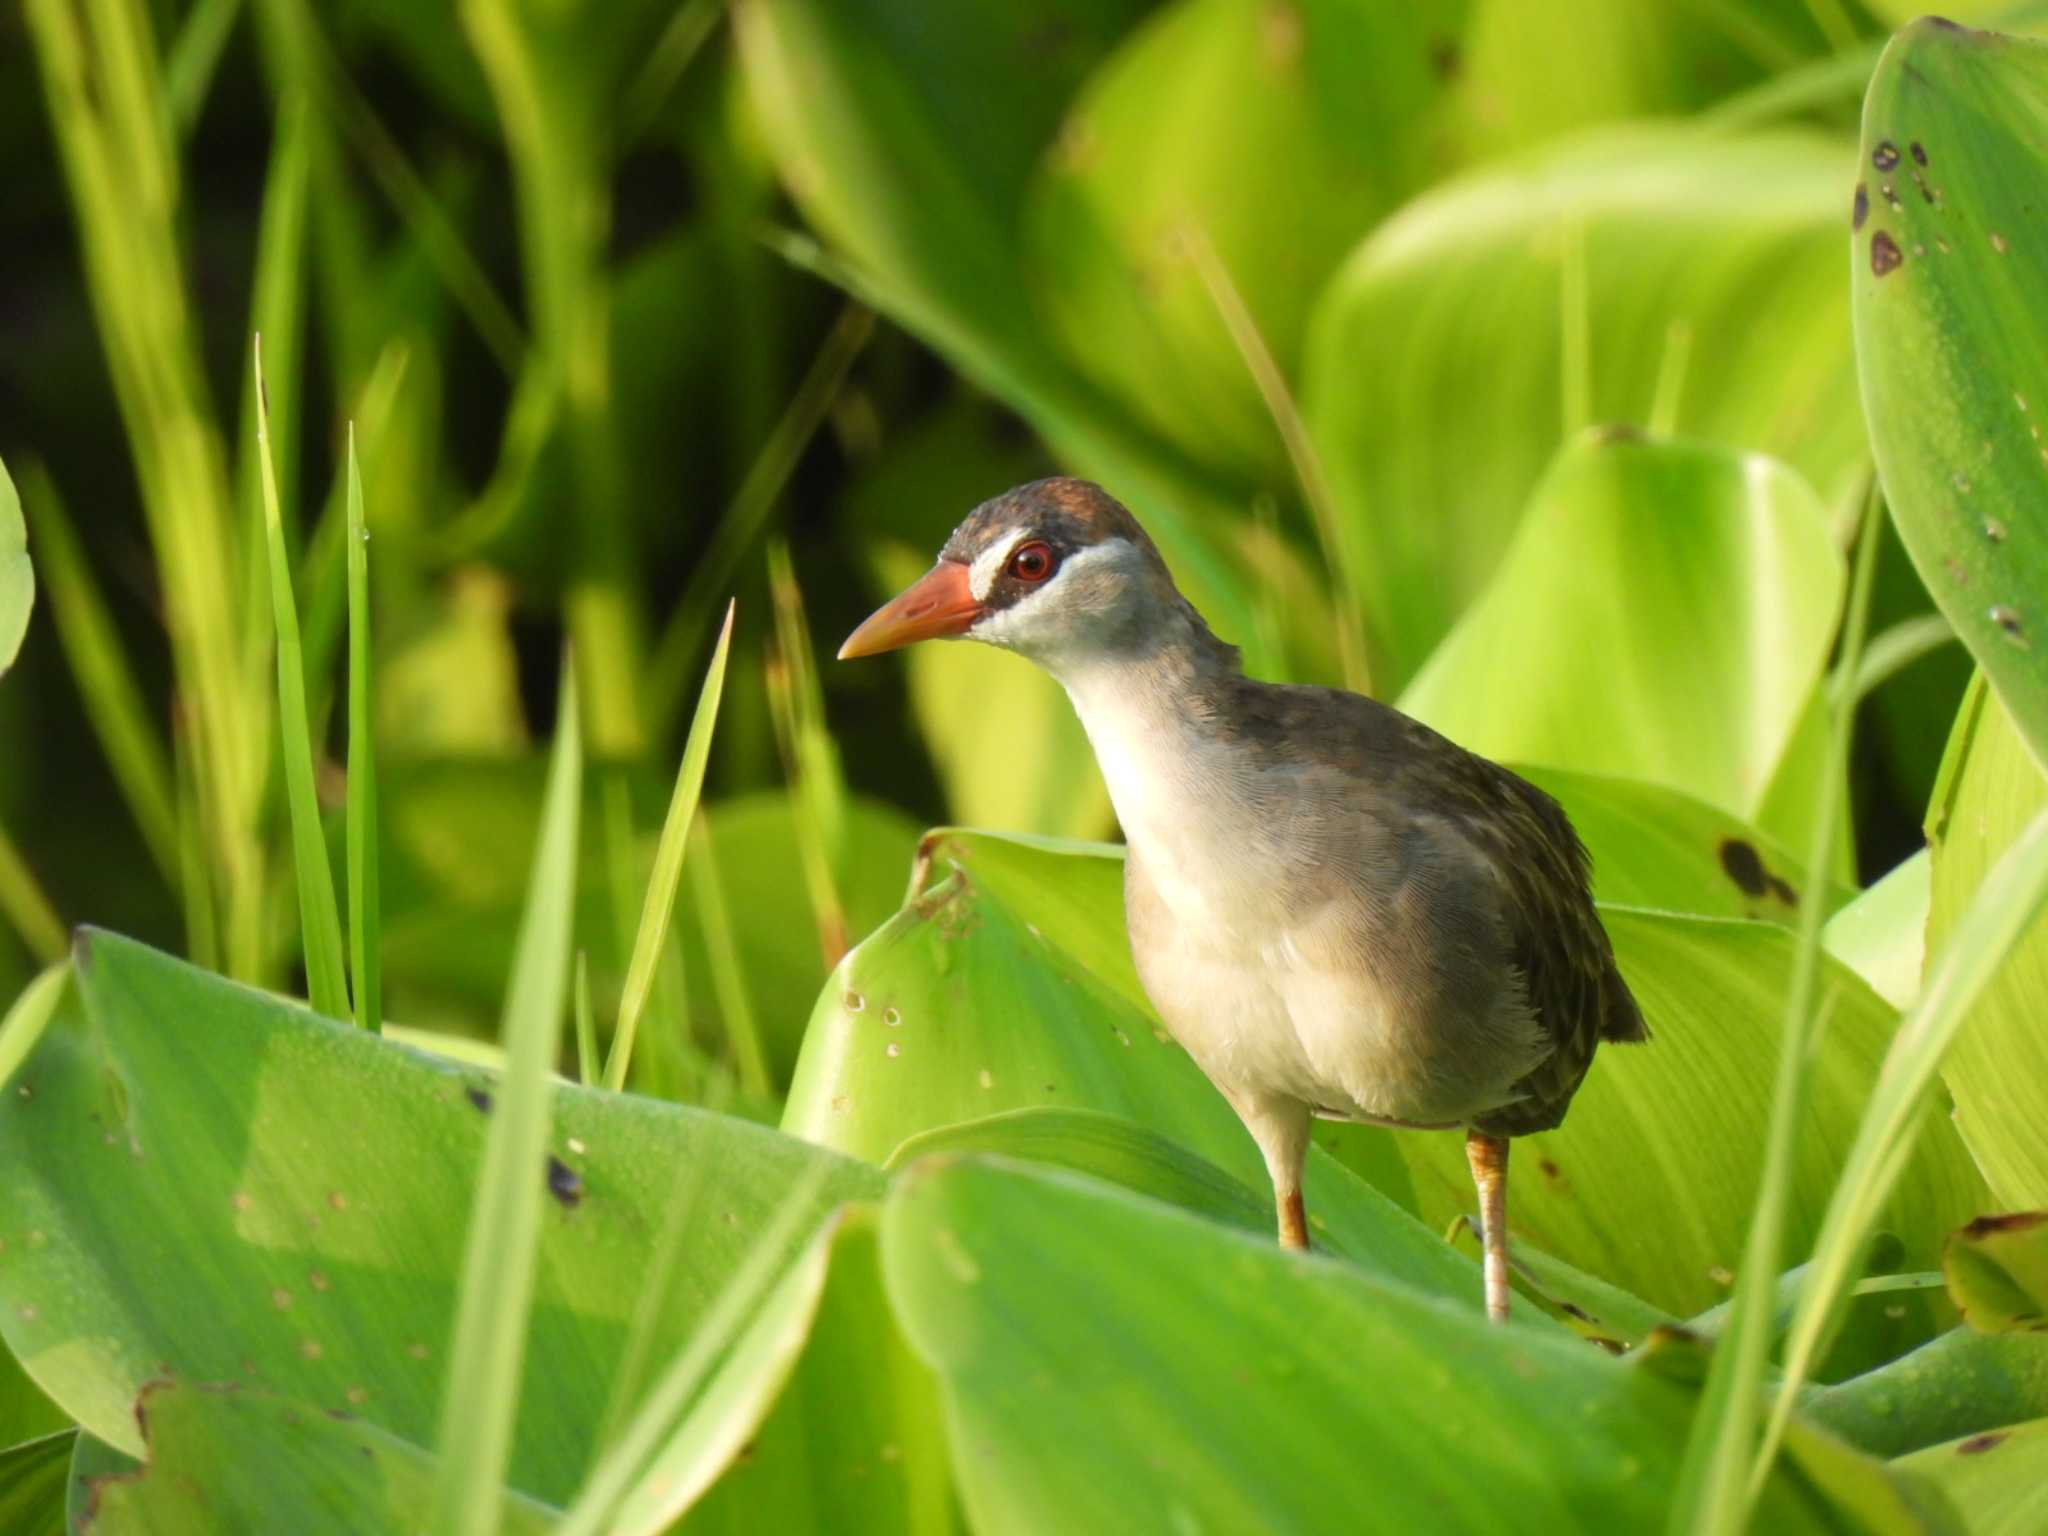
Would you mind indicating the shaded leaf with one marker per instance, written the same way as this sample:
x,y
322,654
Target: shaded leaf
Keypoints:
x,y
32,1478
1997,1270
1961,1383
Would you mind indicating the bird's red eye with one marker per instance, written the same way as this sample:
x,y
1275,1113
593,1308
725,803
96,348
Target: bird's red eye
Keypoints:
x,y
1031,562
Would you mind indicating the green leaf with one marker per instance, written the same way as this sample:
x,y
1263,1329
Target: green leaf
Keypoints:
x,y
1952,332
17,577
1997,1481
1650,1181
1961,1383
1651,277
1329,126
1997,1067
315,1182
1882,934
1646,578
493,1314
1111,1363
1997,1270
668,861
319,921
229,1458
32,1478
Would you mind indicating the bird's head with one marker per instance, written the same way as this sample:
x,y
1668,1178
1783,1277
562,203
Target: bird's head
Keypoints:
x,y
1055,570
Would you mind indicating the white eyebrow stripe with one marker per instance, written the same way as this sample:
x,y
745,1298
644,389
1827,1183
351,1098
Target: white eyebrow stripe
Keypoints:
x,y
981,576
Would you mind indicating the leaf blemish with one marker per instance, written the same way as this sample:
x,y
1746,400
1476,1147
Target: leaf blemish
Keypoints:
x,y
2013,1221
1998,243
1885,156
1994,530
2008,620
1860,210
1919,152
1976,1445
479,1100
1742,864
1885,255
564,1183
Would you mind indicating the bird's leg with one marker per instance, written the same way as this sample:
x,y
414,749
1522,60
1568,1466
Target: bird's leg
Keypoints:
x,y
1280,1127
1488,1156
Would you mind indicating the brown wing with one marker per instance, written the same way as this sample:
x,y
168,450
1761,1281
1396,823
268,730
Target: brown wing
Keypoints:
x,y
1558,942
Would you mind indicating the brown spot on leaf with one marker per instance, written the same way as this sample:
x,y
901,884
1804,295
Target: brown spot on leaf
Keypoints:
x,y
1918,152
1977,1445
1782,889
1885,156
1744,865
1860,209
564,1183
479,1100
2012,1221
1885,254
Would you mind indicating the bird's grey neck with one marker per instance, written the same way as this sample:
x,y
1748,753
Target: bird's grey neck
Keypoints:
x,y
1171,658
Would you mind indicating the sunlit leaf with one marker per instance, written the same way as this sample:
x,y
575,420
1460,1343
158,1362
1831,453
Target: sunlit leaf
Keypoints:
x,y
1882,934
1664,613
315,1183
1961,1383
1997,1270
1997,1480
1952,333
17,577
1109,1360
1646,277
1997,1067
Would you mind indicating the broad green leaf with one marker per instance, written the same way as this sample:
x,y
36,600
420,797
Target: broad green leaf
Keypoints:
x,y
17,577
1113,1364
1661,848
1882,934
232,1458
93,1462
313,1182
1331,122
1997,1067
32,1476
494,1305
1648,277
1997,1480
1529,72
856,1428
1664,613
1346,1215
1997,1270
1649,1182
1961,1383
1952,332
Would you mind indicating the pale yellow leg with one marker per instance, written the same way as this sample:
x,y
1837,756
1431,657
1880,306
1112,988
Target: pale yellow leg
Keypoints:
x,y
1488,1156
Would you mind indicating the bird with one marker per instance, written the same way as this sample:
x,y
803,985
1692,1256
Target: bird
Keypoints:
x,y
1338,912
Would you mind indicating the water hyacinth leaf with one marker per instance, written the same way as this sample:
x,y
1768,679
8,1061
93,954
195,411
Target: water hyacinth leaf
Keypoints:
x,y
186,1114
1997,1066
1661,848
1330,125
1997,1270
857,1427
1649,1182
1708,271
1951,312
1347,1216
1648,578
17,577
1882,934
1085,1335
1997,1481
222,1459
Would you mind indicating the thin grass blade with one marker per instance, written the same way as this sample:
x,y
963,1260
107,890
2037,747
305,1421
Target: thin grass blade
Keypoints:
x,y
364,926
1713,1497
668,863
589,1065
319,917
497,1270
24,904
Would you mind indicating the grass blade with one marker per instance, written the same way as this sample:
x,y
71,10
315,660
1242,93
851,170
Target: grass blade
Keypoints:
x,y
497,1268
364,925
668,863
1714,1497
2011,898
319,919
25,906
817,787
106,684
588,1063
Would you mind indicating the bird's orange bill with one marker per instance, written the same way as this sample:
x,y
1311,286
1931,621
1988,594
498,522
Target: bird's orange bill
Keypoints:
x,y
938,603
